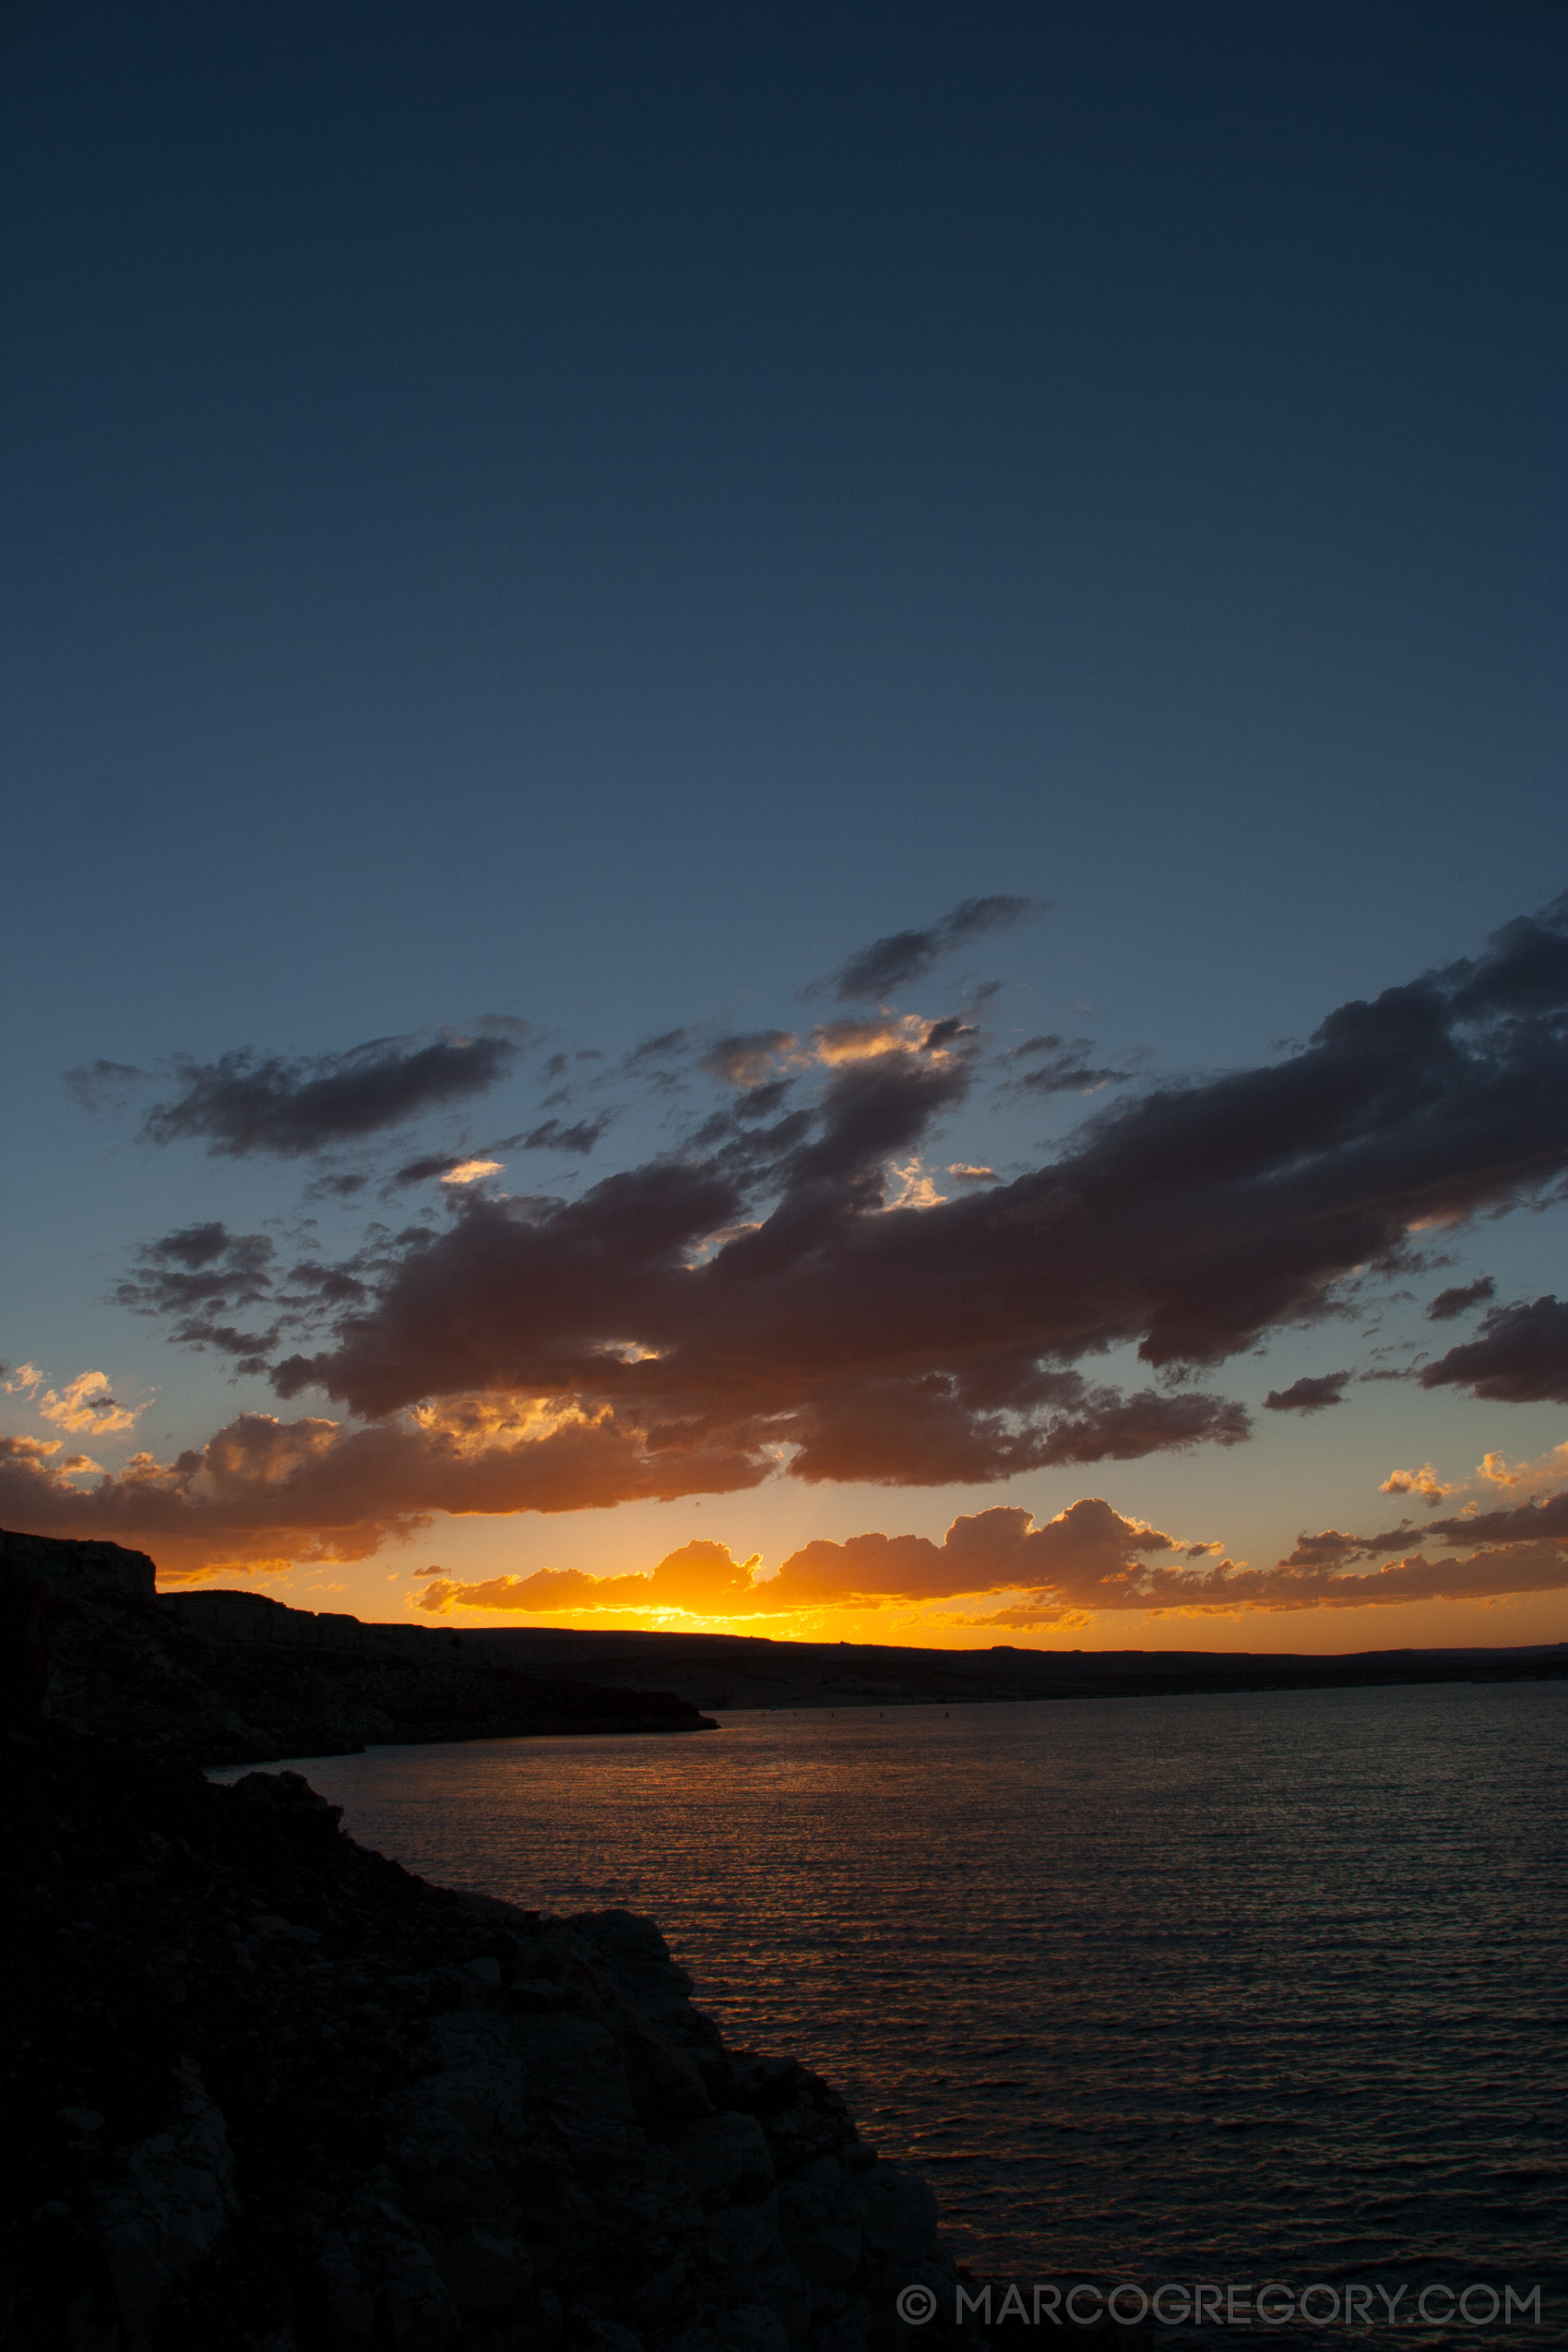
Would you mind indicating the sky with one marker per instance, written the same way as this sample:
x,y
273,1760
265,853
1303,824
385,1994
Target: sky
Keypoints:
x,y
786,817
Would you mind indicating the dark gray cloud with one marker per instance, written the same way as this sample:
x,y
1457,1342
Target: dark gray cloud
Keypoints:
x,y
246,1103
1519,1358
431,1166
905,956
1448,1304
1307,1395
198,1278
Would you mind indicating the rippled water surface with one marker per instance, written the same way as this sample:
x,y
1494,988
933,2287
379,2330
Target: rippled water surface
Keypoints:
x,y
1246,1987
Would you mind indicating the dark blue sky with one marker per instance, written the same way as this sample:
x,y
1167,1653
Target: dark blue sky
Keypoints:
x,y
591,512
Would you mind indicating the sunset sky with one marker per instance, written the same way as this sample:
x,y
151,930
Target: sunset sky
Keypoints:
x,y
786,796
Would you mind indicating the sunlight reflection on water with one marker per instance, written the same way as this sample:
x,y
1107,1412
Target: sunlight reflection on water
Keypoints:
x,y
1247,1986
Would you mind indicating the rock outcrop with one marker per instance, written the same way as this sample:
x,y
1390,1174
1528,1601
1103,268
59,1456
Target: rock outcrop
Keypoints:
x,y
265,2091
275,2094
234,1678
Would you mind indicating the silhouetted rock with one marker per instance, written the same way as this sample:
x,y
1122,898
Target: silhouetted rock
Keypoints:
x,y
267,2092
215,1677
272,2094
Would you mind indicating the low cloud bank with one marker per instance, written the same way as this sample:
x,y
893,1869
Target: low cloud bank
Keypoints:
x,y
1086,1560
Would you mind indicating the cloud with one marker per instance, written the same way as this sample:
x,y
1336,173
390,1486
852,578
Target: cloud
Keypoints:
x,y
1424,1483
1521,1357
748,1061
1063,1067
1460,1300
1087,1548
96,1084
1525,1478
1088,1560
446,1168
1485,1574
860,1040
755,1298
85,1404
246,1103
576,1141
23,1380
1306,1396
700,1578
199,1277
904,956
431,1164
650,1059
263,1491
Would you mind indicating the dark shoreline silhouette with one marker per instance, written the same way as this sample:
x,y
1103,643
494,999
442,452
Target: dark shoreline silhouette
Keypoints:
x,y
234,1678
266,2091
731,1670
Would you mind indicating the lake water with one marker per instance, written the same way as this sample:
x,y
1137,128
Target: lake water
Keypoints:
x,y
1261,1987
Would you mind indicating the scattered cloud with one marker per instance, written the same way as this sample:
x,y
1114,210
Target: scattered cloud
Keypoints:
x,y
871,973
85,1404
1520,1358
246,1103
653,1057
1063,1067
1524,1478
99,1085
1424,1483
748,1061
800,1299
576,1141
1308,1396
862,1040
471,1171
791,1296
23,1380
433,1166
1484,1574
1460,1300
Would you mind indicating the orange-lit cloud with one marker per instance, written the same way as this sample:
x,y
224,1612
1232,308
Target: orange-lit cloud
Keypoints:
x,y
1525,1477
1086,1560
1424,1483
85,1404
470,1171
1086,1549
263,1490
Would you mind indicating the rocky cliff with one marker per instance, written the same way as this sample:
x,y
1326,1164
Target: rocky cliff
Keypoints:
x,y
234,1678
274,2095
266,2092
